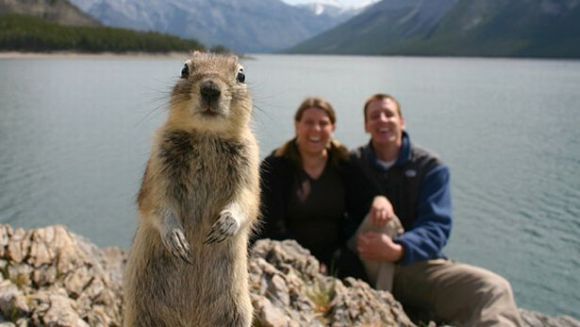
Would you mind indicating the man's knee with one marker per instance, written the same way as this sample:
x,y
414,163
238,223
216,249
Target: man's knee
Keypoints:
x,y
494,287
485,298
497,305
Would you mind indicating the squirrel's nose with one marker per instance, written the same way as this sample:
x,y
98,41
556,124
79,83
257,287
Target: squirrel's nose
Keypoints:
x,y
210,91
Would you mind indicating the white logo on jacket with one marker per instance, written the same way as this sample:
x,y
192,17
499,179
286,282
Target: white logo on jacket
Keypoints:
x,y
410,173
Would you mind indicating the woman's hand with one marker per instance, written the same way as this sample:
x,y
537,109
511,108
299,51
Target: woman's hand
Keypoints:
x,y
381,211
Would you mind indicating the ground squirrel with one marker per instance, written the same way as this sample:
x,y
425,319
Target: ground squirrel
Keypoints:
x,y
198,202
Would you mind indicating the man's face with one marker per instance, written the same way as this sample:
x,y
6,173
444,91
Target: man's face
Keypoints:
x,y
384,122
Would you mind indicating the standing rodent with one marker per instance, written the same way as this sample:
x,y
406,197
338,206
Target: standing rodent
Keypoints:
x,y
198,202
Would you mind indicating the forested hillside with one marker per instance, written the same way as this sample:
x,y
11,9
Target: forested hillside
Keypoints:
x,y
27,33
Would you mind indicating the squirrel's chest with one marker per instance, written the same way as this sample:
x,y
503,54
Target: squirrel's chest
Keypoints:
x,y
199,162
217,164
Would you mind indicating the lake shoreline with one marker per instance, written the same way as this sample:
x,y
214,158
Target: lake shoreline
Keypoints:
x,y
86,55
76,132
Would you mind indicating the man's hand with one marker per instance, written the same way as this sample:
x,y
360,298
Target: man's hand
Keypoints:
x,y
381,211
373,246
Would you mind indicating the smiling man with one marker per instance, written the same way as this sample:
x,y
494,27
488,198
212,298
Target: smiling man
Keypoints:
x,y
417,186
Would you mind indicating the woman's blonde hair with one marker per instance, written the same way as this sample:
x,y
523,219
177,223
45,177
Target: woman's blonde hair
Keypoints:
x,y
318,103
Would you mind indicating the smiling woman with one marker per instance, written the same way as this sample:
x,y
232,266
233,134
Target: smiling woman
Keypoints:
x,y
304,186
315,125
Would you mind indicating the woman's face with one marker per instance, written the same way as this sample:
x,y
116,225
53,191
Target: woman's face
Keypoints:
x,y
314,131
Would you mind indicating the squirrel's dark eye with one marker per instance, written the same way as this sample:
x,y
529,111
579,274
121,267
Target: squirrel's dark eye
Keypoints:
x,y
185,71
241,77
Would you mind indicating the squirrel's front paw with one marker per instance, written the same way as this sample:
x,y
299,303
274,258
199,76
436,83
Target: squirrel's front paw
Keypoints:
x,y
175,241
226,226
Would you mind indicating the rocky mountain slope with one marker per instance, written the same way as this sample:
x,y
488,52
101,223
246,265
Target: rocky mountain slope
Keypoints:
x,y
51,277
241,25
335,9
384,24
530,28
58,11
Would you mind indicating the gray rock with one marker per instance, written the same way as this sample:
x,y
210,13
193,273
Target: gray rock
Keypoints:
x,y
51,277
12,301
61,310
54,278
531,318
289,279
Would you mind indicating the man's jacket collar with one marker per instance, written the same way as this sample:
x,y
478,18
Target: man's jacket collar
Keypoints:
x,y
404,155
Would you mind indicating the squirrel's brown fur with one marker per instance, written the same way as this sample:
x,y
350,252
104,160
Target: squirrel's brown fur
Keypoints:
x,y
198,202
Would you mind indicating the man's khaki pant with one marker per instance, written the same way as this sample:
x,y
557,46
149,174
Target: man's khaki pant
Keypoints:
x,y
459,294
379,274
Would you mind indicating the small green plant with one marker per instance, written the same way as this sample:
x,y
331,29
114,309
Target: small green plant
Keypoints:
x,y
321,293
13,315
4,271
20,280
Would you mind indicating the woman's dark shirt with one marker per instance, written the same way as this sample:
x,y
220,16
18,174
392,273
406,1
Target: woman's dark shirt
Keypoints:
x,y
311,211
316,210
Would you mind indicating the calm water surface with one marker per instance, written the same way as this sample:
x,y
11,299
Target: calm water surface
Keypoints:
x,y
75,135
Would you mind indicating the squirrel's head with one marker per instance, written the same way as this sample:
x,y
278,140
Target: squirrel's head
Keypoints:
x,y
211,94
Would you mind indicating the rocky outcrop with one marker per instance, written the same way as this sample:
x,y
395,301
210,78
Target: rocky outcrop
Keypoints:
x,y
51,277
288,290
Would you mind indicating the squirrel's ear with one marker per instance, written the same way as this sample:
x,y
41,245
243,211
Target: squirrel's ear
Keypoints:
x,y
185,71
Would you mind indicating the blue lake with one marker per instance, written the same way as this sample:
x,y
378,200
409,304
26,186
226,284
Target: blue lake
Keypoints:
x,y
75,134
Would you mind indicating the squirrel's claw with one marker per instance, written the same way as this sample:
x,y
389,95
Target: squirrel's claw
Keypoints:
x,y
225,226
176,243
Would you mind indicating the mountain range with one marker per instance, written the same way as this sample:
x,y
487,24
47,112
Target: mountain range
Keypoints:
x,y
241,25
57,11
506,28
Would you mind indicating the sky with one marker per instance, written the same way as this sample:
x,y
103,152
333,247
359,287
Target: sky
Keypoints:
x,y
346,3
